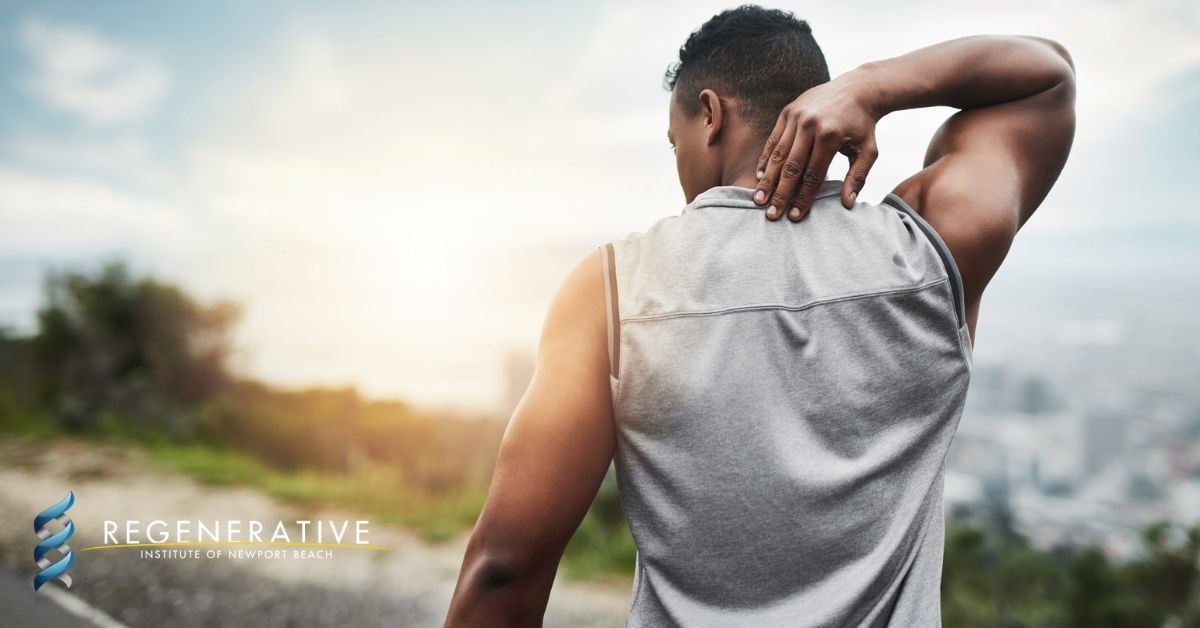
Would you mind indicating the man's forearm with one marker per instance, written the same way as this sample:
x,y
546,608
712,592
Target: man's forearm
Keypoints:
x,y
964,73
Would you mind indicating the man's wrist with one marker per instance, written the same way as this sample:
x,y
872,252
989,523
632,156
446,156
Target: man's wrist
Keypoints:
x,y
864,81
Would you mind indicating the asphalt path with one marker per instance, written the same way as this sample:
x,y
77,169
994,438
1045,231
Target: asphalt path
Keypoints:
x,y
52,607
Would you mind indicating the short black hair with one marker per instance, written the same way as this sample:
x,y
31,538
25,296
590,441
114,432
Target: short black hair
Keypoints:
x,y
764,58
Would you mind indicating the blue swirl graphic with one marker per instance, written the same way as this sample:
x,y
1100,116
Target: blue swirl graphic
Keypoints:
x,y
54,541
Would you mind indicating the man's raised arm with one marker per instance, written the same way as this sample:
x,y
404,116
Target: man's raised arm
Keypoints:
x,y
990,165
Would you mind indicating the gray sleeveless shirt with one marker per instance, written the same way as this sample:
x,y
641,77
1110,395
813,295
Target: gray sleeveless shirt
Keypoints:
x,y
784,397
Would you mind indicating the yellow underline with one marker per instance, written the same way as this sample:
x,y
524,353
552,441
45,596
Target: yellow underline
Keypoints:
x,y
377,548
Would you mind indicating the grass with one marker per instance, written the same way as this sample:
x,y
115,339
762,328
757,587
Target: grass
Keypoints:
x,y
600,549
20,417
378,492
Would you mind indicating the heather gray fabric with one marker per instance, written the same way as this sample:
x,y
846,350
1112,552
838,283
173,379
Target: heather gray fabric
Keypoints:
x,y
784,398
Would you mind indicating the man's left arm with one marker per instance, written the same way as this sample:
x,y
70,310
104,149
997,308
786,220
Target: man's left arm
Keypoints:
x,y
554,454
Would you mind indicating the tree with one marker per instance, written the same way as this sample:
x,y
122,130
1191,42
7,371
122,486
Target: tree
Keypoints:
x,y
112,345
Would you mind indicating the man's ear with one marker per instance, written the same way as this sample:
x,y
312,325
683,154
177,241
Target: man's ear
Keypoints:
x,y
714,115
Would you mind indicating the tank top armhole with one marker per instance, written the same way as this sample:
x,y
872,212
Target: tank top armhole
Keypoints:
x,y
943,251
612,309
947,257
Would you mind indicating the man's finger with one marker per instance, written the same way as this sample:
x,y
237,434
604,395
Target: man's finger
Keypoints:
x,y
810,182
773,172
856,177
790,171
772,140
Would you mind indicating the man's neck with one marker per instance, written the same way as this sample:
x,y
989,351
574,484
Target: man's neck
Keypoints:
x,y
741,177
744,151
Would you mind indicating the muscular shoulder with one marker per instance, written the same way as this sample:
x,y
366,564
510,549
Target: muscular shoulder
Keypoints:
x,y
976,221
575,330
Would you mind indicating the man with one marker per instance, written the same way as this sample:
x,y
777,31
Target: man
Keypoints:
x,y
778,398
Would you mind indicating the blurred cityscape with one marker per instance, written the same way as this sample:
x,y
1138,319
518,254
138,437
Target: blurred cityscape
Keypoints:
x,y
1083,419
1069,471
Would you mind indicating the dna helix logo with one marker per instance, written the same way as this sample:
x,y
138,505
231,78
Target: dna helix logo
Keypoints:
x,y
54,541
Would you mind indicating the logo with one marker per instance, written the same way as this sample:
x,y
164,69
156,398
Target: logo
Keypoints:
x,y
51,541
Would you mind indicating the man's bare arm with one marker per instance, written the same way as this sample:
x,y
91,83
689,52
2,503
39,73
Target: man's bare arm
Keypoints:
x,y
990,165
554,455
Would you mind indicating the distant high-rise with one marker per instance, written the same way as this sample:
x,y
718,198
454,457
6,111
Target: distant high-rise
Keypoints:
x,y
1103,440
1034,396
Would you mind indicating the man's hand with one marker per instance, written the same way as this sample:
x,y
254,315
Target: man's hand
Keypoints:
x,y
836,117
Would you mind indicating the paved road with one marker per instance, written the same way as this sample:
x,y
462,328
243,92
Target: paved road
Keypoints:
x,y
20,606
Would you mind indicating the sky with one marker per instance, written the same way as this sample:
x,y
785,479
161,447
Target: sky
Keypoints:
x,y
393,191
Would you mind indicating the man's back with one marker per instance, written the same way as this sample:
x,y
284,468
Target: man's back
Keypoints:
x,y
784,399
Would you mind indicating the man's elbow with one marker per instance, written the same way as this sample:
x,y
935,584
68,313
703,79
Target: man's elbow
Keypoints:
x,y
1065,63
1055,71
491,572
501,587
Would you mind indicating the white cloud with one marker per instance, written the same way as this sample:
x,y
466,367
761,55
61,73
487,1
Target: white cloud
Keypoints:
x,y
125,157
65,217
81,73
